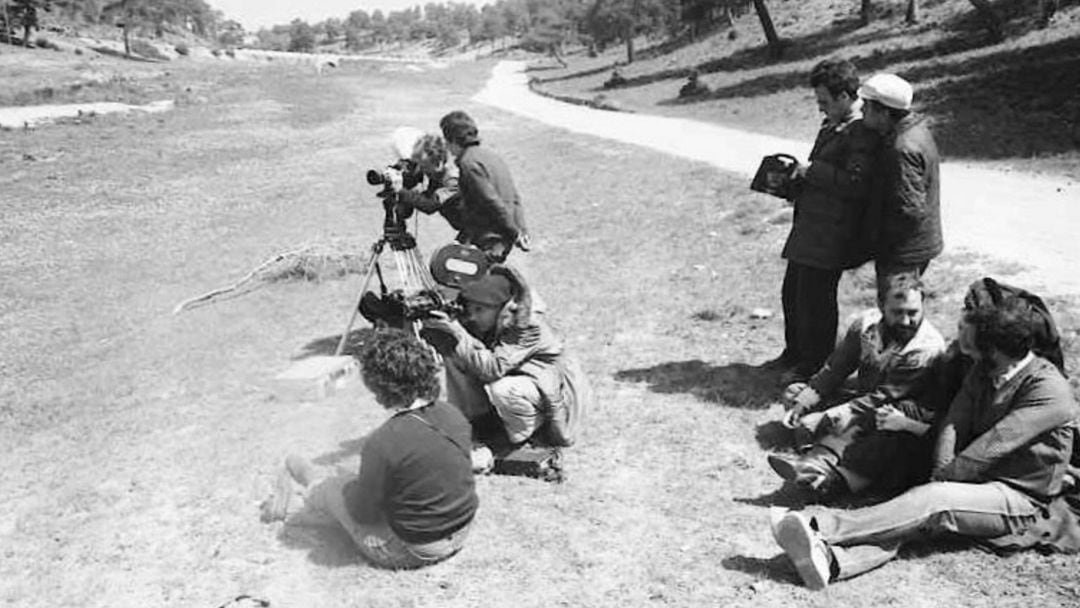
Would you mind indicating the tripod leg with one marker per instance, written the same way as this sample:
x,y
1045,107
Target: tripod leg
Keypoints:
x,y
373,267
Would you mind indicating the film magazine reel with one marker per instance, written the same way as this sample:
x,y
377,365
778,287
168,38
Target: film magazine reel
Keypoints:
x,y
451,265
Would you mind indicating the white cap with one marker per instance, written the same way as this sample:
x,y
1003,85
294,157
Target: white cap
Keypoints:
x,y
403,140
889,90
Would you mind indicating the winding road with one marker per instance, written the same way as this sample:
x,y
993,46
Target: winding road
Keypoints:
x,y
1032,222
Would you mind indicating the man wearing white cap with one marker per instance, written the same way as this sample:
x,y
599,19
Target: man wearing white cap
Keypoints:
x,y
907,184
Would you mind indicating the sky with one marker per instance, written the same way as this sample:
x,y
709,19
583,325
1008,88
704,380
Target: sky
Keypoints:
x,y
255,14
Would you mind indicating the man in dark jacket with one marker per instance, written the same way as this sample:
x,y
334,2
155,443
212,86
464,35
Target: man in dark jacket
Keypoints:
x,y
829,209
1000,471
907,185
491,216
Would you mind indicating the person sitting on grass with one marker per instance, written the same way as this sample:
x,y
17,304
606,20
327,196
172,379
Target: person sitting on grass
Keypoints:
x,y
414,499
1001,466
506,370
878,436
693,86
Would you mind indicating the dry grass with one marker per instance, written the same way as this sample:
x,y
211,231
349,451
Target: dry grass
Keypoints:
x,y
139,444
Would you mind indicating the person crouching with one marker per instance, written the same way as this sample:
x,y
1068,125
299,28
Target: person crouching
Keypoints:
x,y
506,370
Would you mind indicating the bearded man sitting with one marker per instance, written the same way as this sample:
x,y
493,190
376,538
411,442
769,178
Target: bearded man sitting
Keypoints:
x,y
878,437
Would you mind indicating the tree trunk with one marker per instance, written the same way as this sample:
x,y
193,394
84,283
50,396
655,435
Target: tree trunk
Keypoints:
x,y
864,12
629,36
7,24
127,39
26,35
775,47
993,22
912,16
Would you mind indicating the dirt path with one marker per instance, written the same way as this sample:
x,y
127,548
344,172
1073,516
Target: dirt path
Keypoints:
x,y
1023,221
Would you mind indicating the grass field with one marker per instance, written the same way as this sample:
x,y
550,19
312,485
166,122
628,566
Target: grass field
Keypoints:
x,y
139,443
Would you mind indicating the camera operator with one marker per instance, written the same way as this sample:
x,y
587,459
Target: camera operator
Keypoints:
x,y
430,157
414,499
506,370
491,217
828,232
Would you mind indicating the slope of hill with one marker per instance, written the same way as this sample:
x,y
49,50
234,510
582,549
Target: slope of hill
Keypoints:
x,y
1013,104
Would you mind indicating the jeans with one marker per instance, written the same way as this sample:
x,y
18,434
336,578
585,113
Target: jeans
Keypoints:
x,y
516,400
863,539
808,295
377,543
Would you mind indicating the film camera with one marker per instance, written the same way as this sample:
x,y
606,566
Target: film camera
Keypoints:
x,y
776,176
395,211
399,308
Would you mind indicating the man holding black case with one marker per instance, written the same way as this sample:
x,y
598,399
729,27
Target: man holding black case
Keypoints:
x,y
831,207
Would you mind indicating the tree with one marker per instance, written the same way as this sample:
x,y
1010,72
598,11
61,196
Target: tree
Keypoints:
x,y
623,20
776,47
25,14
301,36
911,16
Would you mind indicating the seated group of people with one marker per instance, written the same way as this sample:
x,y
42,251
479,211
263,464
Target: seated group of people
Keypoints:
x,y
980,434
511,388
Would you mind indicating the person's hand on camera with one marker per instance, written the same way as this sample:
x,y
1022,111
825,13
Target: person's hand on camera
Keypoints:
x,y
441,322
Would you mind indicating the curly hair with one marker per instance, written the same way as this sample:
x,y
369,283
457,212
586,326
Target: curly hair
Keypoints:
x,y
898,285
459,128
837,76
430,149
399,368
1006,327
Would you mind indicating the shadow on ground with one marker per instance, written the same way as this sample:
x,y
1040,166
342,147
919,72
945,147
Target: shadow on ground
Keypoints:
x,y
327,346
327,545
735,385
777,568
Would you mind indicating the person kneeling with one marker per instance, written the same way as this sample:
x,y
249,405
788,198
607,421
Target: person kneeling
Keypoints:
x,y
414,500
879,436
506,370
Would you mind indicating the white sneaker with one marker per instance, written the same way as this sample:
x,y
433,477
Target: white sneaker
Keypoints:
x,y
483,460
805,548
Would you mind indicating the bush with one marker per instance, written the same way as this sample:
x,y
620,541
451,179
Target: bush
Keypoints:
x,y
216,52
182,49
44,43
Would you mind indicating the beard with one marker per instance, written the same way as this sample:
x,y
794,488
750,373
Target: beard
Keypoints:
x,y
901,334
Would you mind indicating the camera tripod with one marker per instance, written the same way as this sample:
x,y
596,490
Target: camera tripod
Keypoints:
x,y
413,276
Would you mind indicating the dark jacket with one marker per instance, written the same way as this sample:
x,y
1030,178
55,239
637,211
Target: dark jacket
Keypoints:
x,y
490,205
908,192
833,198
1018,433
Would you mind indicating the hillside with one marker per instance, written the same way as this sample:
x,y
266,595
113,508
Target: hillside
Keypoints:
x,y
1013,104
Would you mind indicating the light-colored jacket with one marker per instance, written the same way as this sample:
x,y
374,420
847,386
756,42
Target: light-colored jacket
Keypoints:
x,y
523,344
900,374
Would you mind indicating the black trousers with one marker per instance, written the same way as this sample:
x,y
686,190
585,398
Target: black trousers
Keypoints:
x,y
810,314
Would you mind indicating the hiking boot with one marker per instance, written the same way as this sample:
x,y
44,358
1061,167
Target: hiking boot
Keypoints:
x,y
805,548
